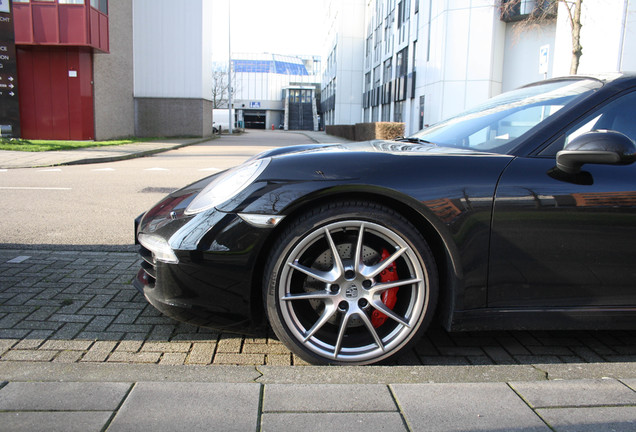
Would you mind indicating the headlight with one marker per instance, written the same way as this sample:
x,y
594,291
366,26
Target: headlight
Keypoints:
x,y
159,247
226,185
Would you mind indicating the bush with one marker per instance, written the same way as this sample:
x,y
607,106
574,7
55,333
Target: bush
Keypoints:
x,y
367,131
344,131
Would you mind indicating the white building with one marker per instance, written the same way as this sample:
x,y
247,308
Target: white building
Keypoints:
x,y
271,89
424,60
341,90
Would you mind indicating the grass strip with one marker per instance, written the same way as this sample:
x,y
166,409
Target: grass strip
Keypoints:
x,y
55,145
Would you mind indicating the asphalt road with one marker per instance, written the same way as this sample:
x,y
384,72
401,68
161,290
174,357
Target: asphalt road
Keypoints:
x,y
93,206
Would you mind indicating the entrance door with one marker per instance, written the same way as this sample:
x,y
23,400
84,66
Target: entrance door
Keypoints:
x,y
56,93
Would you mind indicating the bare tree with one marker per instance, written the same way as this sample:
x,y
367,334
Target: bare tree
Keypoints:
x,y
574,15
219,88
531,13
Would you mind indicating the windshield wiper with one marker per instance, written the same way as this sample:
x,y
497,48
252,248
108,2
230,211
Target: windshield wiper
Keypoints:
x,y
413,140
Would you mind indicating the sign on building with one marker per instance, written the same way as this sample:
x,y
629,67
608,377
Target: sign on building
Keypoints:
x,y
544,57
9,103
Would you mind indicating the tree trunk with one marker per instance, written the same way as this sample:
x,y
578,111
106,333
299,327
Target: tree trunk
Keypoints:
x,y
577,50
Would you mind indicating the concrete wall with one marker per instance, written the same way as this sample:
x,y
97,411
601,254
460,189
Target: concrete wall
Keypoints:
x,y
172,117
465,64
172,67
521,56
113,77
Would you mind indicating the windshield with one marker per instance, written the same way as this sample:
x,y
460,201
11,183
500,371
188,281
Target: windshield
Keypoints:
x,y
495,125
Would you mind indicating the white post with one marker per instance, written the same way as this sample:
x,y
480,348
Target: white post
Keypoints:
x,y
229,66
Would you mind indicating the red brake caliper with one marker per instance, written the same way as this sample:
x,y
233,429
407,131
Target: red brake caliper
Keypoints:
x,y
389,297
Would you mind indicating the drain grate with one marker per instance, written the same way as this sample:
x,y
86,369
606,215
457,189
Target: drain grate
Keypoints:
x,y
164,190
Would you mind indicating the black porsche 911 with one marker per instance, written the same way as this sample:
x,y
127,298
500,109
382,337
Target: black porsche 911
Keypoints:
x,y
518,214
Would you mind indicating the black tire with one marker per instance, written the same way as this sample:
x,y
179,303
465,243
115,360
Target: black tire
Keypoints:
x,y
321,307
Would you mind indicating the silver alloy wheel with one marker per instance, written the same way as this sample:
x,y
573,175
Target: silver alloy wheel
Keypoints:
x,y
326,304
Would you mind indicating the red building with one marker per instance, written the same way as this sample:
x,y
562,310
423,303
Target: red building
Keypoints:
x,y
55,44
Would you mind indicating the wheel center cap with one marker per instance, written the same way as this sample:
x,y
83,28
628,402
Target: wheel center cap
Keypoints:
x,y
351,291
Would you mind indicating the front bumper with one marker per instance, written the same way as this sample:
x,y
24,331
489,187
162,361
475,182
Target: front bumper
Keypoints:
x,y
212,283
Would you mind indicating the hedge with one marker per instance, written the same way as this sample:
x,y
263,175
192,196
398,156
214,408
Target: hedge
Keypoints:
x,y
367,131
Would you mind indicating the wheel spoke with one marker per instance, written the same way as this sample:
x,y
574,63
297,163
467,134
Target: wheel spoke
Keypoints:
x,y
358,265
380,287
318,295
369,325
322,276
388,312
341,333
330,310
373,271
338,267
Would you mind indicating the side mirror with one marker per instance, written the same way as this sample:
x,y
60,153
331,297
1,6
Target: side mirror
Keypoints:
x,y
596,147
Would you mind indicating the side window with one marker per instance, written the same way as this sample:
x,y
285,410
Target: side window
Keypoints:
x,y
618,115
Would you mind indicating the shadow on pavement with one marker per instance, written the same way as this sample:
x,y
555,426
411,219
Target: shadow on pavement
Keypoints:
x,y
77,304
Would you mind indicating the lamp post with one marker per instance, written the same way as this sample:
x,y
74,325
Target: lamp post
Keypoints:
x,y
229,66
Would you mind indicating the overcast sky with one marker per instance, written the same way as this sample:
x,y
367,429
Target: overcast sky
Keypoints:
x,y
274,26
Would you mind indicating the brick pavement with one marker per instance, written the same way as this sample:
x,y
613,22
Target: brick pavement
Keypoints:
x,y
80,307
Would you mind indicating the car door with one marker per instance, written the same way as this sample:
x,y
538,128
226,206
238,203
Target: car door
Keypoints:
x,y
561,240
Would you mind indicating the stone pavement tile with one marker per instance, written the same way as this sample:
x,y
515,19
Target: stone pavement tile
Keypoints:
x,y
6,344
70,421
278,359
128,357
201,353
465,407
62,396
239,359
29,355
575,393
29,344
182,347
229,344
265,349
630,382
336,422
99,351
68,357
173,358
189,407
592,419
75,345
327,398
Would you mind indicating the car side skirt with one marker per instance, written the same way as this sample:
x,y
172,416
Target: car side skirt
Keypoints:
x,y
610,318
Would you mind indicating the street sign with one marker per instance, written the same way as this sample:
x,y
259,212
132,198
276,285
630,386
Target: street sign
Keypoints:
x,y
544,56
9,102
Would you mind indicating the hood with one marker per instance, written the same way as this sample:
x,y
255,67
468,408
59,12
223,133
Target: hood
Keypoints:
x,y
374,146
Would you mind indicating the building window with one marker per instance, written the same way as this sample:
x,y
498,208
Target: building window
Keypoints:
x,y
517,10
101,5
401,63
414,65
398,109
386,112
388,70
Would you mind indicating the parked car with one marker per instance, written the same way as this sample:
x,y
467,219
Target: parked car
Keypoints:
x,y
518,214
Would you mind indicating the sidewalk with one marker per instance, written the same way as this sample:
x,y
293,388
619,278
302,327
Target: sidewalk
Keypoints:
x,y
244,400
18,159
